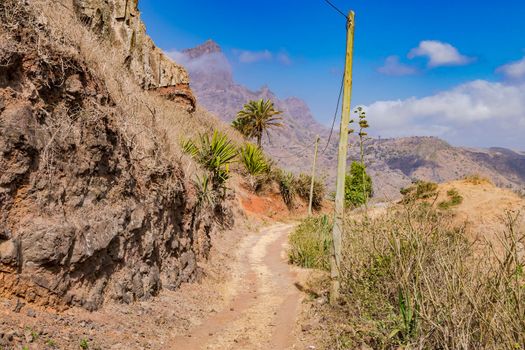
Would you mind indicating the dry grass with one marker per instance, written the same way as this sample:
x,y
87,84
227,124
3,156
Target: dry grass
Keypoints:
x,y
151,126
476,179
411,279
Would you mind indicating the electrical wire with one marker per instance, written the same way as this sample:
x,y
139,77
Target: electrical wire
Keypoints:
x,y
335,8
335,115
336,108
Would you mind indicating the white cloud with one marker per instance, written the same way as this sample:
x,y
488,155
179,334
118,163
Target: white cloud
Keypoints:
x,y
246,56
214,63
284,58
476,113
393,67
514,70
439,54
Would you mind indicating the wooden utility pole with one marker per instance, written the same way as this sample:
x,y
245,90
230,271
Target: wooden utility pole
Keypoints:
x,y
313,177
335,258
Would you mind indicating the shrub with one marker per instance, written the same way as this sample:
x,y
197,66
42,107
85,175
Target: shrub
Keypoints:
x,y
477,179
454,198
287,188
214,154
255,163
358,185
419,190
412,280
310,243
303,183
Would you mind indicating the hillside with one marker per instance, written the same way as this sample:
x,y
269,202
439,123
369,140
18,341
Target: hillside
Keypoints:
x,y
393,162
96,201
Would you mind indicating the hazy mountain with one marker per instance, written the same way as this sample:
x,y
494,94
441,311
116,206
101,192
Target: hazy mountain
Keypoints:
x,y
394,163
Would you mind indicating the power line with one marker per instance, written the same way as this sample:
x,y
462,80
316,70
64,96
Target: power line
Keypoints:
x,y
335,114
335,8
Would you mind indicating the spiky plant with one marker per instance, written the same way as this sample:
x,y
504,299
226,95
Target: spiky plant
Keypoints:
x,y
255,163
287,188
214,153
257,118
203,186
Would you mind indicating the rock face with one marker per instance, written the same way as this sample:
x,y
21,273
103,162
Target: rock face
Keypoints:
x,y
393,163
119,22
81,219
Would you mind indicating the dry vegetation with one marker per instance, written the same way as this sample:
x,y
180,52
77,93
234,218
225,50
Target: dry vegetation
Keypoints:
x,y
413,278
151,125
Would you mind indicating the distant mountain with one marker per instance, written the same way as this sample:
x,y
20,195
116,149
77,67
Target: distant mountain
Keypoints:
x,y
393,163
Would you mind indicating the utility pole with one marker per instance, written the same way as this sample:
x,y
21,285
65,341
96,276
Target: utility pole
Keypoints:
x,y
313,177
335,258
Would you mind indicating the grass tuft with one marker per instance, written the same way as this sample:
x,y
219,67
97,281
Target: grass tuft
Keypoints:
x,y
310,243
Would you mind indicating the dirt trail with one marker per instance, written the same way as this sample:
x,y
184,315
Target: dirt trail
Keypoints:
x,y
263,300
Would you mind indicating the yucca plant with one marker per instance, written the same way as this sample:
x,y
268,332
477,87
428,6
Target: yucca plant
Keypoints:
x,y
215,154
255,163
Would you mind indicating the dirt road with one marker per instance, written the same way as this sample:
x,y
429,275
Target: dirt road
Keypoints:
x,y
263,300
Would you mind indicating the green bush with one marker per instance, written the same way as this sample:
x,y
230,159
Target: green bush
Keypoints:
x,y
205,194
310,243
303,183
255,164
454,198
419,190
358,185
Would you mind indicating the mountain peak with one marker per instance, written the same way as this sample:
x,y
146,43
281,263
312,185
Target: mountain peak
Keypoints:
x,y
206,48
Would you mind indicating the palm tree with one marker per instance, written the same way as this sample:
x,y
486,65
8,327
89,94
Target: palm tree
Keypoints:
x,y
256,118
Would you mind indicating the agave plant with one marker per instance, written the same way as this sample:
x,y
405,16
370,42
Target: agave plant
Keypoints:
x,y
215,154
255,163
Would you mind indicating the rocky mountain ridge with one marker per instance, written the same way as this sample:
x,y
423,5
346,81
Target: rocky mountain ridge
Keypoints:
x,y
393,163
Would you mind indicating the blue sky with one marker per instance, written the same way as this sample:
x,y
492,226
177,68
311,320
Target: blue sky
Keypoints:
x,y
450,68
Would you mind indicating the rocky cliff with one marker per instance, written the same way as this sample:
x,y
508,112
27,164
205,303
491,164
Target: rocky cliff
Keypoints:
x,y
119,22
94,202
